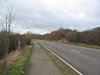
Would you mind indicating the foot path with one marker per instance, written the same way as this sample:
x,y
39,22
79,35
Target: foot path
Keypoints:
x,y
41,64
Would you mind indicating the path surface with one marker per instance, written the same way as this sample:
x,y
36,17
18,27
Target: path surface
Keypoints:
x,y
40,63
86,60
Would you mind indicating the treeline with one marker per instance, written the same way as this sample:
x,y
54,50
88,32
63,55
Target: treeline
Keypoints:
x,y
91,37
9,43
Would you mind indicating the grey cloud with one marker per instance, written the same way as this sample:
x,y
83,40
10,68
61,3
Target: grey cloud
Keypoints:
x,y
38,16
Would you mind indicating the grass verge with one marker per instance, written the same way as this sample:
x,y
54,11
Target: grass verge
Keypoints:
x,y
81,45
62,67
17,67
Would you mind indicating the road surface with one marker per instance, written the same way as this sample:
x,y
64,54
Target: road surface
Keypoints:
x,y
86,60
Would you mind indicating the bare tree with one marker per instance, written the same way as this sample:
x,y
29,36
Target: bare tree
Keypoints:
x,y
8,16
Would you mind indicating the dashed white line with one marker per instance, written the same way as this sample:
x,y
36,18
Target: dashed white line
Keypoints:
x,y
75,51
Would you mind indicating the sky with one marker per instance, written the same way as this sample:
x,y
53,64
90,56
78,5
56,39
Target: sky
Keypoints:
x,y
44,16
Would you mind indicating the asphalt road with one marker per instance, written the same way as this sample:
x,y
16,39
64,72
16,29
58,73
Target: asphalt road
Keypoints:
x,y
86,60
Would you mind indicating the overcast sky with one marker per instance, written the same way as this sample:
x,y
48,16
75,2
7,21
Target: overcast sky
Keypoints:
x,y
43,16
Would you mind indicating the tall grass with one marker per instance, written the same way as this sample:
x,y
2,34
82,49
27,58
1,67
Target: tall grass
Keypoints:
x,y
18,66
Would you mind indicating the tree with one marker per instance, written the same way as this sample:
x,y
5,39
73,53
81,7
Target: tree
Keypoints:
x,y
8,16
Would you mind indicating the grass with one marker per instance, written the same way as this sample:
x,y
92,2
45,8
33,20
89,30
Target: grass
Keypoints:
x,y
81,45
62,67
18,66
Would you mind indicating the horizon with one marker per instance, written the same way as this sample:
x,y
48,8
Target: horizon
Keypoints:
x,y
56,30
45,16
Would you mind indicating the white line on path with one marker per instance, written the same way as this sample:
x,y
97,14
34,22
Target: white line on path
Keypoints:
x,y
75,51
65,62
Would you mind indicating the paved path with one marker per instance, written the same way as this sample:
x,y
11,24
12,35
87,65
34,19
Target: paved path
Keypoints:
x,y
86,60
40,64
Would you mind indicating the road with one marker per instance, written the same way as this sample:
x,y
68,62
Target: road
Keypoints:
x,y
86,60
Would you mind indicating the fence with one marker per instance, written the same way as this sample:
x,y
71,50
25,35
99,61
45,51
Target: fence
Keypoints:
x,y
3,49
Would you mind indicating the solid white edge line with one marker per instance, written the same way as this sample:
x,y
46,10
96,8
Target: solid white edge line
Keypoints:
x,y
65,62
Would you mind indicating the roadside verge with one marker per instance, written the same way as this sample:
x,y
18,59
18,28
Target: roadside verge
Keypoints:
x,y
65,69
81,45
18,66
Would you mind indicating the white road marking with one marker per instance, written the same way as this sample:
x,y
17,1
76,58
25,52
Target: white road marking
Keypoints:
x,y
64,61
75,51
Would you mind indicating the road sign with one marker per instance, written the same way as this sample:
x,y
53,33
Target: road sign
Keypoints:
x,y
19,44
